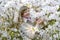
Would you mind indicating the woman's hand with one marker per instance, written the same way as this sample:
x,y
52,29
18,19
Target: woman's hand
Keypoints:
x,y
39,21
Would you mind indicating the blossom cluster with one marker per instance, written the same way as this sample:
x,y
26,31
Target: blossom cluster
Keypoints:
x,y
48,10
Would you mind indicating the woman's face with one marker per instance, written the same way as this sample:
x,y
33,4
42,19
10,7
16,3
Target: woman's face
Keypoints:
x,y
26,14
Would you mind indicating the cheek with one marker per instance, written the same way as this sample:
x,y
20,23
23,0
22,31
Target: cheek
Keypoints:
x,y
26,14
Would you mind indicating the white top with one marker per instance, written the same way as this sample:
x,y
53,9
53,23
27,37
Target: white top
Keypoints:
x,y
28,30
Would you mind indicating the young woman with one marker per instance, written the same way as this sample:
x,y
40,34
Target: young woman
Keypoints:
x,y
27,30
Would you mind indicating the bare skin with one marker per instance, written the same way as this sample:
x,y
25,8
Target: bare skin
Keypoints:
x,y
39,21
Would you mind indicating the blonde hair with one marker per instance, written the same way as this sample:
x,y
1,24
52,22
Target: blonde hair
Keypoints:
x,y
21,12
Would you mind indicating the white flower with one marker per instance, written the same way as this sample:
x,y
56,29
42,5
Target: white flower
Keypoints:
x,y
53,16
4,34
42,13
32,13
55,36
50,38
48,1
42,32
14,29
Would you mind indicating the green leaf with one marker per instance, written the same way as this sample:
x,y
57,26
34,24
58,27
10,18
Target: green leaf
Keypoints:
x,y
20,37
51,22
4,38
12,34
